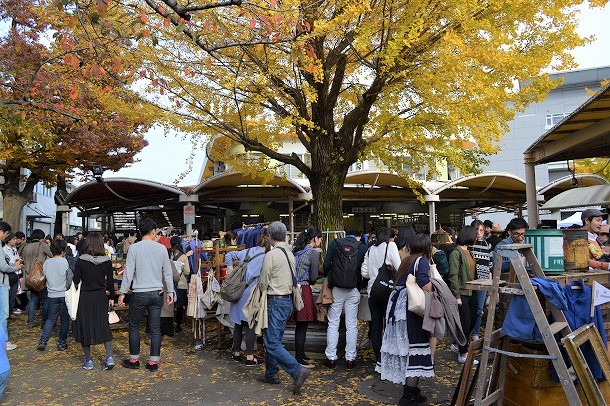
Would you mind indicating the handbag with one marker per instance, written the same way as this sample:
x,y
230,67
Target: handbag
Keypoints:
x,y
384,282
35,279
72,296
417,299
112,316
297,297
433,272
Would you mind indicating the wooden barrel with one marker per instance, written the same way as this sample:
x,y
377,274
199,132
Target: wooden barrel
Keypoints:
x,y
575,250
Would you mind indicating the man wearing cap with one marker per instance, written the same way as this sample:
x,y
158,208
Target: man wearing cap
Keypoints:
x,y
592,222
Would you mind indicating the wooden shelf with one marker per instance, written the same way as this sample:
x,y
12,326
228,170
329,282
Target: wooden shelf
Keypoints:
x,y
216,260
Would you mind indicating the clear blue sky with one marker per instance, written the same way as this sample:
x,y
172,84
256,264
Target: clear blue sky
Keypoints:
x,y
165,157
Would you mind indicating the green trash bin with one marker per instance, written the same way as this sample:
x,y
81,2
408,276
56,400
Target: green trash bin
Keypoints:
x,y
548,248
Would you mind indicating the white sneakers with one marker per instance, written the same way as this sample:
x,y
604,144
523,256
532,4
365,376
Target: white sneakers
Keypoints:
x,y
10,346
461,360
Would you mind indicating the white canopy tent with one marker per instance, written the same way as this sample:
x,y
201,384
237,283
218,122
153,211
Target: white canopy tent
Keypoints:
x,y
573,219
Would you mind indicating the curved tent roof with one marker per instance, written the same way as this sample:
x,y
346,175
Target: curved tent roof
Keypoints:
x,y
565,183
374,185
122,194
237,187
484,186
598,195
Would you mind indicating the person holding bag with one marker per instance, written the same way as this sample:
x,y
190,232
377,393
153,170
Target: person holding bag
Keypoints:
x,y
383,252
236,313
307,268
36,251
277,281
94,270
462,268
405,353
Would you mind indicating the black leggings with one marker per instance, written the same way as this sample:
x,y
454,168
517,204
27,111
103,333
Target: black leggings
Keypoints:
x,y
181,306
238,332
300,335
468,317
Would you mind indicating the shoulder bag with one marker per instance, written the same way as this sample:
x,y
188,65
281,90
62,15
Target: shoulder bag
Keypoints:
x,y
384,282
35,279
417,300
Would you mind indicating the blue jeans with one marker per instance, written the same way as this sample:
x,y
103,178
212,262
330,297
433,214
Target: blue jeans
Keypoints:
x,y
3,381
36,297
481,295
279,309
57,307
140,302
4,295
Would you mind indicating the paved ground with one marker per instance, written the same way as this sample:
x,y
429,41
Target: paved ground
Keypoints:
x,y
187,376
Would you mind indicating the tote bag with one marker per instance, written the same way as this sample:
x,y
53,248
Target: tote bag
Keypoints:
x,y
417,299
433,272
72,296
384,282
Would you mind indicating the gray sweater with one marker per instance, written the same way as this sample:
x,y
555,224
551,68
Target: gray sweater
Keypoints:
x,y
147,266
56,271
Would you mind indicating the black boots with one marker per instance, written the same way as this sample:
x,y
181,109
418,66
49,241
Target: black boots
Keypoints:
x,y
411,396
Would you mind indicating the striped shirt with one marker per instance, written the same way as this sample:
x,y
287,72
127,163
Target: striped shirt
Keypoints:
x,y
481,252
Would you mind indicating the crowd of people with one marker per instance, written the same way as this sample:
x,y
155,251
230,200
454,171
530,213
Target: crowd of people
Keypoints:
x,y
385,266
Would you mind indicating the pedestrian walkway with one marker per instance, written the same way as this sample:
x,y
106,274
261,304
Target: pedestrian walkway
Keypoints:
x,y
187,376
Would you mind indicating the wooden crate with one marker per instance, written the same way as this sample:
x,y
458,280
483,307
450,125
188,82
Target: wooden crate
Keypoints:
x,y
533,372
529,383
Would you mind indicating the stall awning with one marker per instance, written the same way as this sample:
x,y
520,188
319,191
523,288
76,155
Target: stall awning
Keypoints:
x,y
580,197
237,187
583,134
122,194
491,186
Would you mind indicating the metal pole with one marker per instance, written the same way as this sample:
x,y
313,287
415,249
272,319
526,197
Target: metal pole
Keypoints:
x,y
530,194
431,200
432,217
291,217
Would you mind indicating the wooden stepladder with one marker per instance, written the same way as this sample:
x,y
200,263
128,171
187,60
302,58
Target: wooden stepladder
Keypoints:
x,y
487,394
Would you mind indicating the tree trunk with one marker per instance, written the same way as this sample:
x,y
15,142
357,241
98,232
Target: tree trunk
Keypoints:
x,y
327,191
13,202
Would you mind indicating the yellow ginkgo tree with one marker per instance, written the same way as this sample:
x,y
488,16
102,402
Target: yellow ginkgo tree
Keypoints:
x,y
404,82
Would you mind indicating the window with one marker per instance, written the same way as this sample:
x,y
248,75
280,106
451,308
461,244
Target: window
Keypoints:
x,y
553,119
292,172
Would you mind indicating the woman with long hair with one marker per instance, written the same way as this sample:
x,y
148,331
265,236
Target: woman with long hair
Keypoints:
x,y
405,353
462,268
94,270
384,251
403,240
307,264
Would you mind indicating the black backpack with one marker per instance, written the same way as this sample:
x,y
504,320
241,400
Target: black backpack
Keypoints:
x,y
345,271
